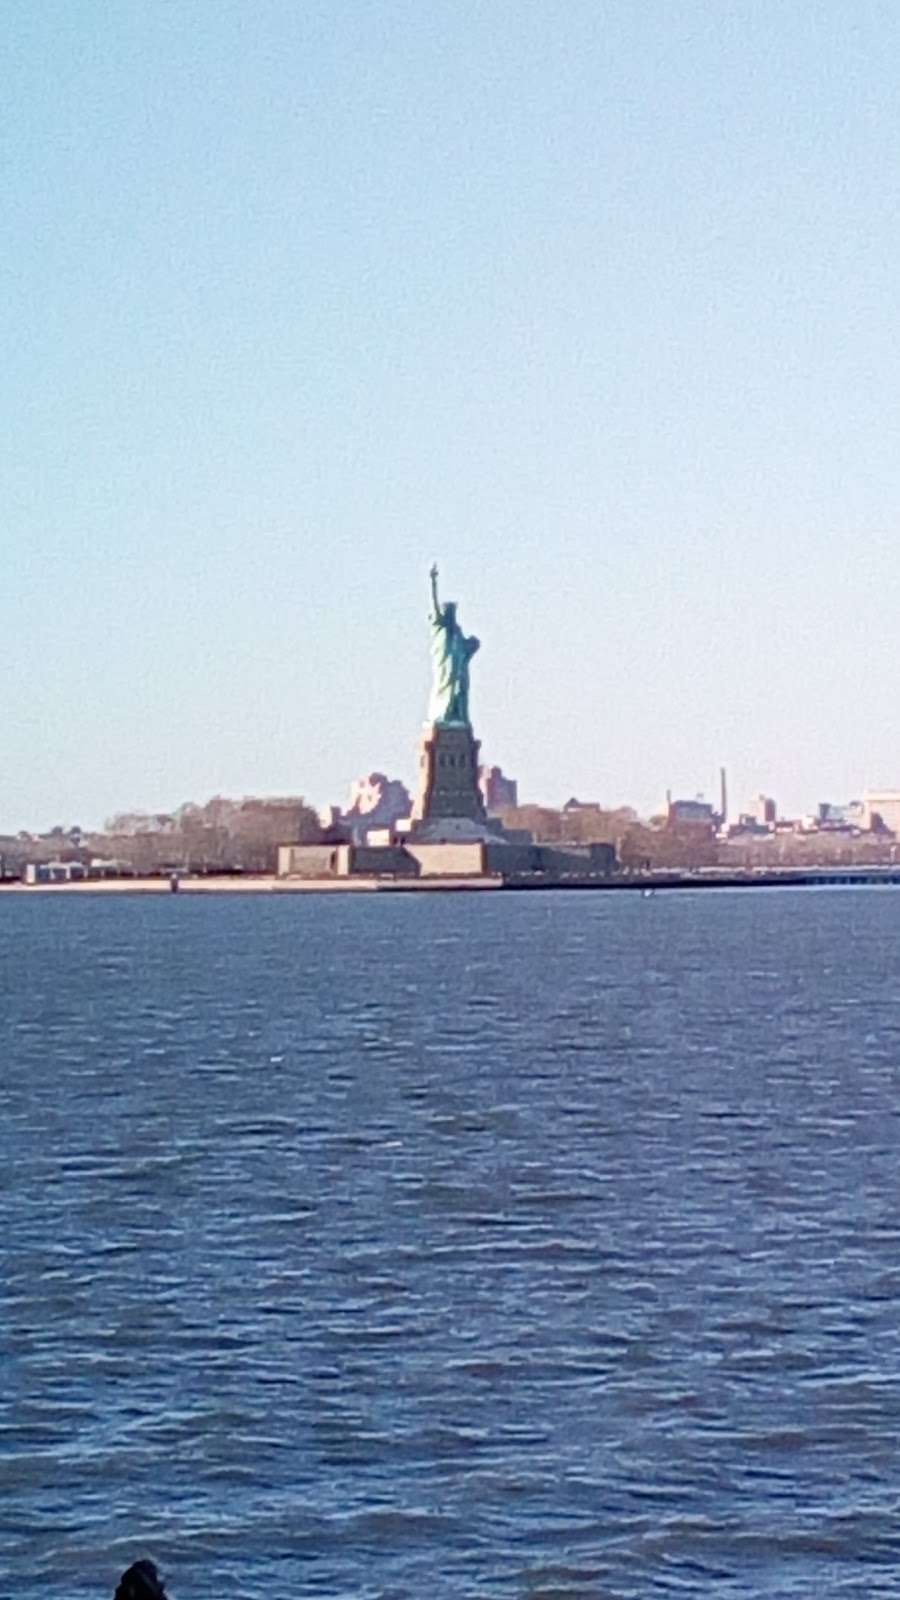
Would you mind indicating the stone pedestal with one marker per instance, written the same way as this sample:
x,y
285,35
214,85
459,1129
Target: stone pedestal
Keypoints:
x,y
448,790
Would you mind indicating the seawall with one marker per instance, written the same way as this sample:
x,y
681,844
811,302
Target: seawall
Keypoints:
x,y
641,883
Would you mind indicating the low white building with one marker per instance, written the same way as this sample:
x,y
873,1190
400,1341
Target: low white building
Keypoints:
x,y
55,872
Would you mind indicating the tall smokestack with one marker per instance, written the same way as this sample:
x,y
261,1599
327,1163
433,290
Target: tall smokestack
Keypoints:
x,y
723,796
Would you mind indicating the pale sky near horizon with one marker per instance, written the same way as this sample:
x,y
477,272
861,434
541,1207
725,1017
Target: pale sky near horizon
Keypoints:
x,y
595,301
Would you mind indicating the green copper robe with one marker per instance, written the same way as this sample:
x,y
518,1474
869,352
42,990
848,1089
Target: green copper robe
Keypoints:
x,y
451,652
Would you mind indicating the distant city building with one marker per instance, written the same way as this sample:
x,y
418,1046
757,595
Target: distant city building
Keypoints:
x,y
765,810
378,795
881,811
498,792
376,801
697,813
748,825
833,818
691,814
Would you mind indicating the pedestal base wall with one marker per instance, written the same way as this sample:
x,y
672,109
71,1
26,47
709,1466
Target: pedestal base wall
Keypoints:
x,y
448,776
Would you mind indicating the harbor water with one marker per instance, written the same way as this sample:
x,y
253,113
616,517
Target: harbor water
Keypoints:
x,y
488,1246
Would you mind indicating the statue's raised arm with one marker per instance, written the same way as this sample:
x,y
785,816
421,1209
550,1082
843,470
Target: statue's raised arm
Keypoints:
x,y
435,602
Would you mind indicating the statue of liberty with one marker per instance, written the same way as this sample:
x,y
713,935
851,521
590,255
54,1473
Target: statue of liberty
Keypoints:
x,y
451,652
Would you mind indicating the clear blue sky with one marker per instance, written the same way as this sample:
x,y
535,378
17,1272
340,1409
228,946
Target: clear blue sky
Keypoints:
x,y
596,301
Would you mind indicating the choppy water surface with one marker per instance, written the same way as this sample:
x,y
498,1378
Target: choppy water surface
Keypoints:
x,y
534,1246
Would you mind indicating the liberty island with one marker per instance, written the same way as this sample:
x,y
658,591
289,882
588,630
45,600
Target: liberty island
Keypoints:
x,y
445,837
448,840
